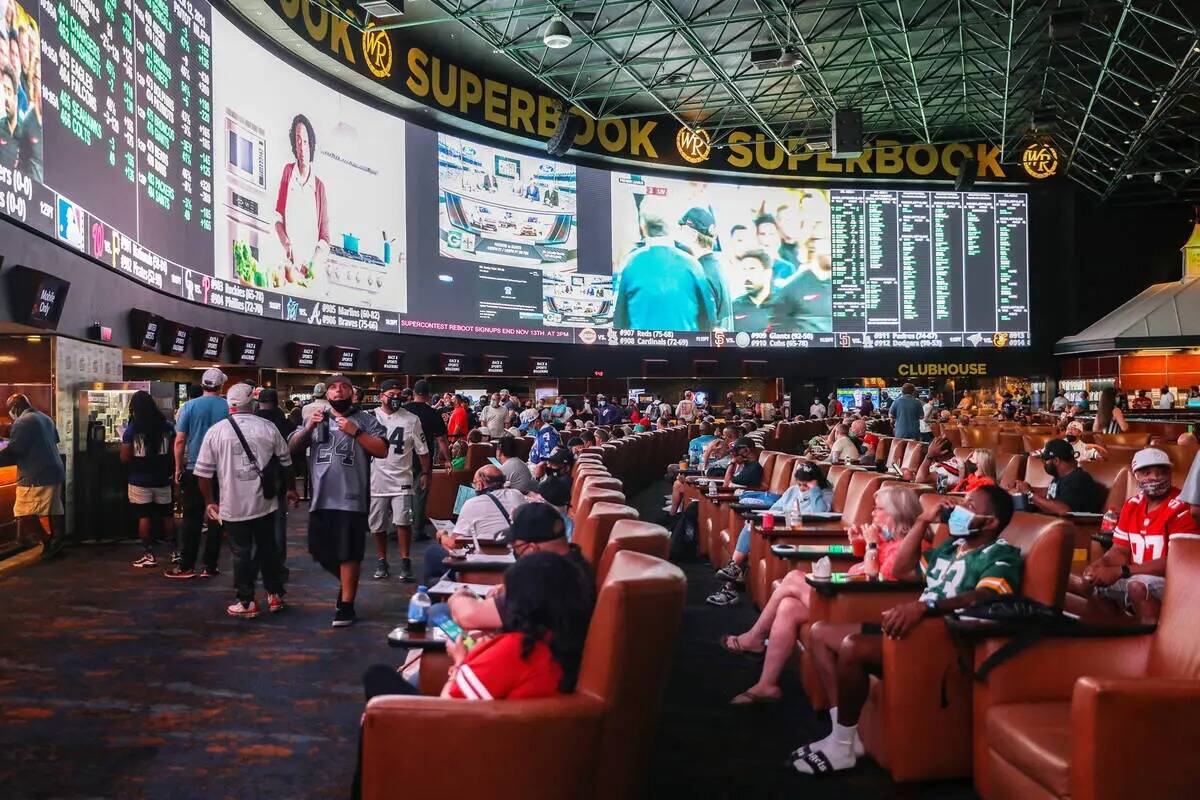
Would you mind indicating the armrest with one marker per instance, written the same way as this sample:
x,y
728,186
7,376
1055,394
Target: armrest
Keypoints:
x,y
1047,670
1106,711
855,606
564,729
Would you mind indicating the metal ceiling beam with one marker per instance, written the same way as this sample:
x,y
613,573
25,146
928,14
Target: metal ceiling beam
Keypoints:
x,y
1099,81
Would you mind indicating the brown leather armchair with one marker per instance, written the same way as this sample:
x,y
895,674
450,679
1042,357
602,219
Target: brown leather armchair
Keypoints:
x,y
591,532
592,743
443,489
636,535
1098,718
931,701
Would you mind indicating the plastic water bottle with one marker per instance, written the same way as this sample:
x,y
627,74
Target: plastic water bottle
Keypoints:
x,y
871,561
418,609
794,516
712,489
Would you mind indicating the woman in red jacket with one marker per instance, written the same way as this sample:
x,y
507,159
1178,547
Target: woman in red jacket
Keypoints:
x,y
459,423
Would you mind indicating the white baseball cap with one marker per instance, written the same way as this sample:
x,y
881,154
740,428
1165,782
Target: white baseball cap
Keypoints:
x,y
1150,457
213,378
240,396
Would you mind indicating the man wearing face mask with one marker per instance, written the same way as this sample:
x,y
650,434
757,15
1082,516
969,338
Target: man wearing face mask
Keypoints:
x,y
1072,489
1132,575
1083,450
973,566
606,412
494,417
392,479
343,440
485,515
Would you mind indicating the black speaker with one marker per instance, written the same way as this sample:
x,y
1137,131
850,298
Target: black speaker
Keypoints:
x,y
965,180
568,127
847,133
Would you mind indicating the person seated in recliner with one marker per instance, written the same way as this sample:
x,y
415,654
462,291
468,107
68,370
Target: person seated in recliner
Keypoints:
x,y
1072,488
1131,576
973,566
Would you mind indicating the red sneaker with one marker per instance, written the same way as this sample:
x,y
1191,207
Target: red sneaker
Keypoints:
x,y
275,603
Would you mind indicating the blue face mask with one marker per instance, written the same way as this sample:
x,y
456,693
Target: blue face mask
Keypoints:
x,y
960,522
887,534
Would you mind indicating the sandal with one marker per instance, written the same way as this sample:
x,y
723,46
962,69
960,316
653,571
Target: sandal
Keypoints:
x,y
813,762
736,647
749,698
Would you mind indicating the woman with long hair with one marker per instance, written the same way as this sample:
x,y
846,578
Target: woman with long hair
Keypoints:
x,y
979,469
896,509
1109,418
146,446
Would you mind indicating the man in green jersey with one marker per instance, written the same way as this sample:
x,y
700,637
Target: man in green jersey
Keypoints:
x,y
973,566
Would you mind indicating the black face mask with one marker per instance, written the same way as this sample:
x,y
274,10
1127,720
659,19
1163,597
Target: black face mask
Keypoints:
x,y
1049,469
341,406
393,403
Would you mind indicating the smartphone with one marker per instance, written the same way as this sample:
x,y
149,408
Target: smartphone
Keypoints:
x,y
495,462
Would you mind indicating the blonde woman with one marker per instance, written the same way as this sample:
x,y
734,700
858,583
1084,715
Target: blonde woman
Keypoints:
x,y
979,469
896,509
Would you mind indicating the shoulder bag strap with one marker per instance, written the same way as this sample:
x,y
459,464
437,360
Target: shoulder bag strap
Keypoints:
x,y
245,446
500,506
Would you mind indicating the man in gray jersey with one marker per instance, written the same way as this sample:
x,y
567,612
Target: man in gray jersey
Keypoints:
x,y
339,467
392,479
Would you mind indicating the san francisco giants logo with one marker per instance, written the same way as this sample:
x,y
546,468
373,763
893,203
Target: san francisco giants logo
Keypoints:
x,y
377,51
693,145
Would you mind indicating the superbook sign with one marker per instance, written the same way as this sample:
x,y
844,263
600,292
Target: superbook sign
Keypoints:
x,y
438,82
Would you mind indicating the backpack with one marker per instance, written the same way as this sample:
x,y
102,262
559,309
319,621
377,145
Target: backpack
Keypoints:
x,y
685,530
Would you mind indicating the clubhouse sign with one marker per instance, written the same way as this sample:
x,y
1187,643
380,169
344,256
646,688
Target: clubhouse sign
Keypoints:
x,y
433,80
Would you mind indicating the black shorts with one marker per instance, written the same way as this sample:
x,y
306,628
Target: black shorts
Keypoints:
x,y
336,537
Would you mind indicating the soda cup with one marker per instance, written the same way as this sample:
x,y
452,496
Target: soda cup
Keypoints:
x,y
860,546
768,522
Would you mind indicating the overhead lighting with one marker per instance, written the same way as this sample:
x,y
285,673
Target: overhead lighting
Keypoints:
x,y
135,357
382,9
556,36
789,58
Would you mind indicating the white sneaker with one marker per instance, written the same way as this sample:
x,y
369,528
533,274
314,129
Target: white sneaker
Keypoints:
x,y
147,560
240,610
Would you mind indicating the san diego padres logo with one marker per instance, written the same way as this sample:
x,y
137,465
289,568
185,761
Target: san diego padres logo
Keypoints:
x,y
377,51
1040,160
693,145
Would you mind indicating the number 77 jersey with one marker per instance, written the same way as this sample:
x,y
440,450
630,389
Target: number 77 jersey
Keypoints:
x,y
393,475
1146,533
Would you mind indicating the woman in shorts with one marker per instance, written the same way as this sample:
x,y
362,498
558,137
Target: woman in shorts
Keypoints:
x,y
146,448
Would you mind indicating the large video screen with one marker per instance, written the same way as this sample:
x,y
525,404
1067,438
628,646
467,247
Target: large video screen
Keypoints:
x,y
162,141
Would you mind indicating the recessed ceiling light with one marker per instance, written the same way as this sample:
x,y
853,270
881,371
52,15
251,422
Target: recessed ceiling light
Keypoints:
x,y
135,357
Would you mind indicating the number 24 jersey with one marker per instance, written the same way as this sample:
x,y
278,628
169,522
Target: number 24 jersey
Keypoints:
x,y
949,572
393,475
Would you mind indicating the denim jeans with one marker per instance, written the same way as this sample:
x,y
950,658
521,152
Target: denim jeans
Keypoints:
x,y
193,521
743,540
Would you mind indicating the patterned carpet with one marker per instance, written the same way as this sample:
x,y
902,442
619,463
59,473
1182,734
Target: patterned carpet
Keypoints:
x,y
117,683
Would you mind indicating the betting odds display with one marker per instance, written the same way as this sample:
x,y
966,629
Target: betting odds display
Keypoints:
x,y
157,138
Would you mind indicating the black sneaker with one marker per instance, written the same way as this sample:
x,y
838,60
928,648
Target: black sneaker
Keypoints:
x,y
732,573
725,596
176,558
381,569
344,616
179,573
209,572
406,573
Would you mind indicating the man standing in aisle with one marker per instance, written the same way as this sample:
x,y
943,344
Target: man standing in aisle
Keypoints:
x,y
194,421
392,479
339,467
606,413
318,403
494,417
238,450
906,412
33,449
686,410
434,428
545,440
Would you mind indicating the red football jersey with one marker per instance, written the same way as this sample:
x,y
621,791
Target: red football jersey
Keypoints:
x,y
495,670
1146,535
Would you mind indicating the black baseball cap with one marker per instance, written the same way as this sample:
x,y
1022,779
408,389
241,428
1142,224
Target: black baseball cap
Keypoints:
x,y
421,388
535,522
743,442
559,457
390,383
699,219
556,491
575,441
1058,448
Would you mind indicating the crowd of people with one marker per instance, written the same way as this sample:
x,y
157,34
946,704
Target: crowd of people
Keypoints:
x,y
20,92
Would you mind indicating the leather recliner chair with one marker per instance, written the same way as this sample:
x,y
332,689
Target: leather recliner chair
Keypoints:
x,y
636,535
592,743
1103,718
591,532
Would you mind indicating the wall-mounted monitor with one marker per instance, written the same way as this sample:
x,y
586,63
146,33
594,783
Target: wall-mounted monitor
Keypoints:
x,y
654,367
343,359
540,366
495,365
36,298
145,329
452,363
389,360
303,355
176,338
245,349
207,345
